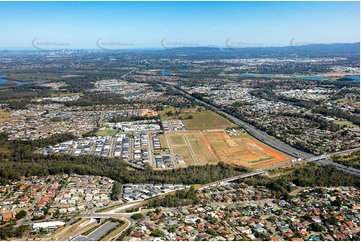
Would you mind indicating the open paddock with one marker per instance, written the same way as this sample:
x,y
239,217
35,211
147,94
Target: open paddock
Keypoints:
x,y
197,118
212,146
5,116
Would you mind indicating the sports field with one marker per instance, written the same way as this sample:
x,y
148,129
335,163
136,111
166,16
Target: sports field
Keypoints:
x,y
211,146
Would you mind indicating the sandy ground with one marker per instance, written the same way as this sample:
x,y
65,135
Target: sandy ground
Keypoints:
x,y
212,146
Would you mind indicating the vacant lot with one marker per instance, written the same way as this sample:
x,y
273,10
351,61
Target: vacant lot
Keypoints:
x,y
5,116
344,122
177,140
106,132
212,146
183,151
197,118
163,142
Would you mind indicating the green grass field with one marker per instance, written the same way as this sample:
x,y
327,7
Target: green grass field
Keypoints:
x,y
201,119
344,122
177,140
203,154
26,77
106,132
184,151
163,142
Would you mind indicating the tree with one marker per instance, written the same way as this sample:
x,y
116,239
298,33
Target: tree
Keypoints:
x,y
20,214
137,216
116,191
157,233
169,113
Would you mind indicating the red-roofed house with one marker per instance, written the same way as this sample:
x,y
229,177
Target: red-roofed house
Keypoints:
x,y
157,216
7,216
349,224
137,234
289,234
341,236
230,236
200,226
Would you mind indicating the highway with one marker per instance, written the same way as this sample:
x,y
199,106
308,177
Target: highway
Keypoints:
x,y
116,213
267,139
322,157
69,232
326,160
339,166
233,178
244,176
273,142
261,136
97,233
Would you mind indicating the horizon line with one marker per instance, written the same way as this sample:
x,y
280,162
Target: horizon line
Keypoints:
x,y
35,49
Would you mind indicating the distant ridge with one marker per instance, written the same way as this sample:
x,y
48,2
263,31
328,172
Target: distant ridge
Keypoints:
x,y
355,45
211,52
310,50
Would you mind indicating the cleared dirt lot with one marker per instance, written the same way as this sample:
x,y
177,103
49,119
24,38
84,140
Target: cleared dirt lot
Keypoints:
x,y
5,116
211,146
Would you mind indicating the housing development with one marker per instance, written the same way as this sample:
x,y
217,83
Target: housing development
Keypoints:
x,y
185,141
171,155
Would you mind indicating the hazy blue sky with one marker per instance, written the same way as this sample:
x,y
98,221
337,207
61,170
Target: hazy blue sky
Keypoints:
x,y
146,24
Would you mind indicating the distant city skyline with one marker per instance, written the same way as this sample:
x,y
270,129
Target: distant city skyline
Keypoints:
x,y
129,25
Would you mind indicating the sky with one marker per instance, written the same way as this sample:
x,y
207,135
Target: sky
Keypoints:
x,y
123,25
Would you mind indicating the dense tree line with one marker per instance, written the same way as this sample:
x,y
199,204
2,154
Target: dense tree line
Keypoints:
x,y
180,198
19,97
116,191
21,214
21,161
352,117
117,119
340,83
352,160
93,99
137,216
10,231
268,94
89,165
310,176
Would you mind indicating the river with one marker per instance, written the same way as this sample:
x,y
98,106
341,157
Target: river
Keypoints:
x,y
3,82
